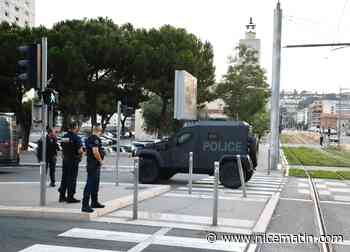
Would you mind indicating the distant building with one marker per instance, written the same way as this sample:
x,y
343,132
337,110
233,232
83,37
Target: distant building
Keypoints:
x,y
215,109
250,39
20,12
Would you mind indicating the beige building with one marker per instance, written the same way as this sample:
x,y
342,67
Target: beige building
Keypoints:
x,y
20,12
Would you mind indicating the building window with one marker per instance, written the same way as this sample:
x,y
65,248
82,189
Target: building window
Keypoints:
x,y
16,8
7,14
27,13
7,4
17,19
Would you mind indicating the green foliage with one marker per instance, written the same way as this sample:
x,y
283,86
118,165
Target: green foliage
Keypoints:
x,y
151,112
340,175
168,49
95,62
244,89
297,173
313,157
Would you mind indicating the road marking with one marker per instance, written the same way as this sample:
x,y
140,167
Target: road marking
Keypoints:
x,y
154,223
172,241
141,246
345,190
228,191
266,215
324,192
303,185
341,198
185,218
295,199
50,248
105,235
203,196
335,183
304,191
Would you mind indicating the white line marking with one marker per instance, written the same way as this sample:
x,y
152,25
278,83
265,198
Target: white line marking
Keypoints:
x,y
345,190
266,215
341,198
105,235
304,191
49,248
153,239
231,191
185,218
335,183
203,196
295,199
199,243
324,192
303,185
153,223
141,246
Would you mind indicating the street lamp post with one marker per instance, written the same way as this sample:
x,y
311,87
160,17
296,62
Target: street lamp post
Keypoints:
x,y
339,113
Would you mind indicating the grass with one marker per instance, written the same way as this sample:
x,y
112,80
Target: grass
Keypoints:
x,y
340,175
316,157
297,173
285,139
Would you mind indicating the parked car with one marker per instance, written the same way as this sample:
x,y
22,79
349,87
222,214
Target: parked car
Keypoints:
x,y
137,145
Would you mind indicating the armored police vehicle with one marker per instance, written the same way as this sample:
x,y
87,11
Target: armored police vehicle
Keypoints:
x,y
209,141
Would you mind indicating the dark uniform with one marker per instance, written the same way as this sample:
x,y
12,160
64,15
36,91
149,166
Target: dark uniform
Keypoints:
x,y
71,157
51,157
93,171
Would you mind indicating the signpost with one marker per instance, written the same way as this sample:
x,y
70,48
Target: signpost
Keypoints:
x,y
44,124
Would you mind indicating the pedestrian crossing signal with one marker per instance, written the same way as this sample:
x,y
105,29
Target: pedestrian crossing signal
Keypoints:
x,y
50,97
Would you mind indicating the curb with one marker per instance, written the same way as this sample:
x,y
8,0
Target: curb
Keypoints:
x,y
80,166
266,216
76,214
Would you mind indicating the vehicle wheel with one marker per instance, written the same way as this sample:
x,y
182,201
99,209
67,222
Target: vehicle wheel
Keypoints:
x,y
149,171
248,172
166,175
248,175
253,153
229,175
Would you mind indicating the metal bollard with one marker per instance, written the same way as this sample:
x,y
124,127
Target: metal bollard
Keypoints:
x,y
216,193
241,175
268,161
136,188
250,162
190,172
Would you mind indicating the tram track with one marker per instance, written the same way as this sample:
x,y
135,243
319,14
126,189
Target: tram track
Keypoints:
x,y
318,213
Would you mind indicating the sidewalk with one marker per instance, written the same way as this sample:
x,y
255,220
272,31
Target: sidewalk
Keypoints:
x,y
236,214
22,199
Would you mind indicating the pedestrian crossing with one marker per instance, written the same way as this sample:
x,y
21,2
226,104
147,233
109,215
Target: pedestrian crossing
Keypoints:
x,y
328,190
139,241
259,185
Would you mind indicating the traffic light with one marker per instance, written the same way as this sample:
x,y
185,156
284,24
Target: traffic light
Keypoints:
x,y
29,68
50,97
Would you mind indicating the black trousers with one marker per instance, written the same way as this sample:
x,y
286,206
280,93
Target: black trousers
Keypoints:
x,y
92,185
70,169
51,166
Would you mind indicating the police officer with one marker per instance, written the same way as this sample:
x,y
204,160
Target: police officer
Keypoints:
x,y
72,155
51,154
94,155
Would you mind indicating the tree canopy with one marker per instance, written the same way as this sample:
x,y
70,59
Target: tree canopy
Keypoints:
x,y
244,89
92,63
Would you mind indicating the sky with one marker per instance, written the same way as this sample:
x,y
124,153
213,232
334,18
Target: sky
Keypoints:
x,y
222,23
